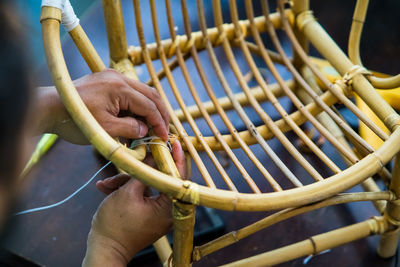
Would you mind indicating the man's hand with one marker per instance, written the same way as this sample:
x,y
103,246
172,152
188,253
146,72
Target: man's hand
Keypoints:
x,y
129,219
121,105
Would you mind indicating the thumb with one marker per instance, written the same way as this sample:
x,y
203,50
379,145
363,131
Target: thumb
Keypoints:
x,y
127,127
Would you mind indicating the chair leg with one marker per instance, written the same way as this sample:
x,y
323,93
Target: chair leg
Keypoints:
x,y
184,219
388,241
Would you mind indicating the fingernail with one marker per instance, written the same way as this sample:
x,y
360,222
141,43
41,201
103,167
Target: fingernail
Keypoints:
x,y
143,130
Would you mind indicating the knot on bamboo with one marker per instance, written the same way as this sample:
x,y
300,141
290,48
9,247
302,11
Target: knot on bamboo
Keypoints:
x,y
345,83
189,193
124,66
304,18
173,46
220,39
378,225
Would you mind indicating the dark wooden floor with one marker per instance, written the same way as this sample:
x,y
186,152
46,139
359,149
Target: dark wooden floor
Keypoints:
x,y
57,237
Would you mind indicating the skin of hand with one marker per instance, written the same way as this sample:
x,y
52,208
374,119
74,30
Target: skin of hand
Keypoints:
x,y
129,219
109,96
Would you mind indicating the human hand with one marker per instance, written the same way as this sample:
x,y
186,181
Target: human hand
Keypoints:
x,y
122,106
129,220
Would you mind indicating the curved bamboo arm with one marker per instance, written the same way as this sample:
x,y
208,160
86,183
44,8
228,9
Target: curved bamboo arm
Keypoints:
x,y
354,47
185,190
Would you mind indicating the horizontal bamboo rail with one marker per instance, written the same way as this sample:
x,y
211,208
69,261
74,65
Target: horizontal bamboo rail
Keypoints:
x,y
316,244
226,104
235,236
197,39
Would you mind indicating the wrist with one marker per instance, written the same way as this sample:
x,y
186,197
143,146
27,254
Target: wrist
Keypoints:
x,y
106,251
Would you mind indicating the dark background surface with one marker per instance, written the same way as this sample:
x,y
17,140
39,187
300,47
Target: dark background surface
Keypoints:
x,y
57,237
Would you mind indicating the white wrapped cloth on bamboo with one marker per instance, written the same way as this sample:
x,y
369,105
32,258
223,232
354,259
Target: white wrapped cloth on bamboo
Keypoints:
x,y
68,18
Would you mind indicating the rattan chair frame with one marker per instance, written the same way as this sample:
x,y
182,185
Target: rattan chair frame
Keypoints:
x,y
313,103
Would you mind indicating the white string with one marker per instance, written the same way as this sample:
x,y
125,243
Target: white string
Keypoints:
x,y
65,199
143,141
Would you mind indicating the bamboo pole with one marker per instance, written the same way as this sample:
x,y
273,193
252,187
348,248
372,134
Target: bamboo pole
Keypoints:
x,y
315,244
235,236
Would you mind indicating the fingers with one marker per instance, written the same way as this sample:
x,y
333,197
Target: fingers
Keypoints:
x,y
139,104
109,185
127,127
152,94
179,158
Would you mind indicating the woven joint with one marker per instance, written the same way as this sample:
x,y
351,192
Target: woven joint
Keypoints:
x,y
189,193
345,83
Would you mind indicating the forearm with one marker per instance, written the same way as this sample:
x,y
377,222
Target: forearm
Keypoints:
x,y
102,251
49,110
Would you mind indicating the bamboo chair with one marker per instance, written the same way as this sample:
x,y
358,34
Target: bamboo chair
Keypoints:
x,y
310,92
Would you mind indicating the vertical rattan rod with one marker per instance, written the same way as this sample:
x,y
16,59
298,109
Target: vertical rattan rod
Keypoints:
x,y
86,49
235,103
388,242
257,107
332,88
280,81
115,30
198,101
298,7
328,48
216,103
182,104
181,131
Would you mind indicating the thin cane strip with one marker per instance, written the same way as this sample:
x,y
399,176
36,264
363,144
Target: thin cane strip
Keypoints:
x,y
172,65
294,98
206,116
254,49
183,106
251,128
136,53
333,88
311,92
271,97
219,108
235,236
198,101
189,145
264,116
